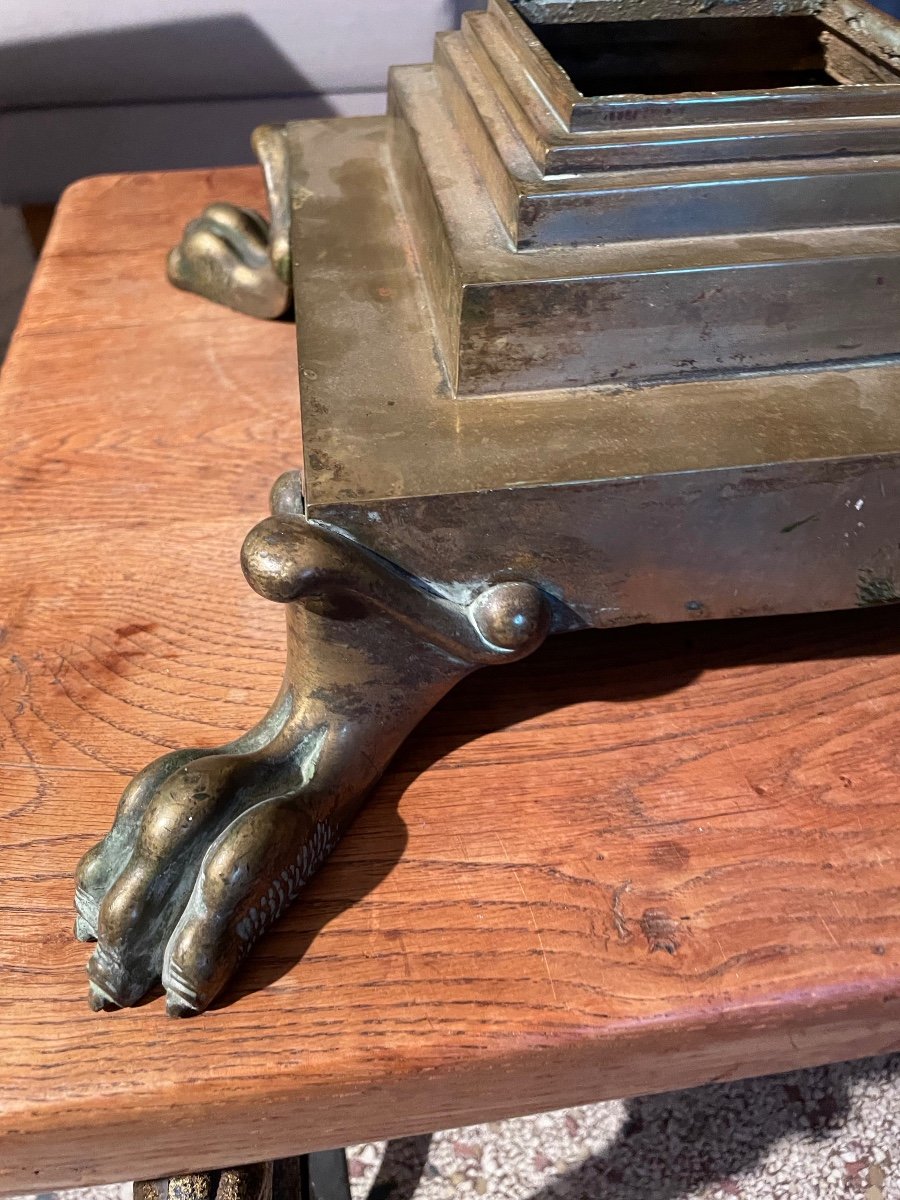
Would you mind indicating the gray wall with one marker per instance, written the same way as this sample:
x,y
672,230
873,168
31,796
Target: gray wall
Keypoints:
x,y
87,88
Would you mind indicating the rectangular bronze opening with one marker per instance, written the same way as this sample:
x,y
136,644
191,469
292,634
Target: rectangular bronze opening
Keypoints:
x,y
692,54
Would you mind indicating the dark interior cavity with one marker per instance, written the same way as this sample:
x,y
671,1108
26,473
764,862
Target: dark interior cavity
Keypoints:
x,y
695,54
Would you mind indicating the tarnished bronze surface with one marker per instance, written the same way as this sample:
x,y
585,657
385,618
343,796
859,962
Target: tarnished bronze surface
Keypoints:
x,y
599,325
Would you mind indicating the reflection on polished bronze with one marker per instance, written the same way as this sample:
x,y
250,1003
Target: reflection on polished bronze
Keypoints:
x,y
599,325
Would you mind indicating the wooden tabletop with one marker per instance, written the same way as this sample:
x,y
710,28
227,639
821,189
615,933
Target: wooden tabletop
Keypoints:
x,y
639,860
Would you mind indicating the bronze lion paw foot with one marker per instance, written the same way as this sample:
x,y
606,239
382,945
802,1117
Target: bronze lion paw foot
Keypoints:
x,y
209,847
224,256
234,256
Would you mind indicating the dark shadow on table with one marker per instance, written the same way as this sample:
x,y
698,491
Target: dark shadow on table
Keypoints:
x,y
609,666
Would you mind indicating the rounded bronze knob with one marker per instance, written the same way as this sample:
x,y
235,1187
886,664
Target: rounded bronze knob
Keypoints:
x,y
511,616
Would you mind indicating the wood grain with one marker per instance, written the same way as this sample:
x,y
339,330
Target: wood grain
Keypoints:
x,y
640,860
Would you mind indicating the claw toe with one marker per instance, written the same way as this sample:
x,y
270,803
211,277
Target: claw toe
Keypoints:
x,y
83,930
110,980
177,1006
98,1000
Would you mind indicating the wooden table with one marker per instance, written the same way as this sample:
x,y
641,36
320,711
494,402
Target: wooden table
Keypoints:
x,y
639,860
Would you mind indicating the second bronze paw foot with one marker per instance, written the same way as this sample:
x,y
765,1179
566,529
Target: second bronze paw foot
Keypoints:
x,y
224,256
232,255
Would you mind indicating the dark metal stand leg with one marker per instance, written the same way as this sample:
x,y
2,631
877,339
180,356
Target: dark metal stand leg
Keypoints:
x,y
327,1177
287,1178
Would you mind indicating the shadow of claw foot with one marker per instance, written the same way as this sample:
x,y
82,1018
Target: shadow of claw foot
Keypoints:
x,y
224,255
